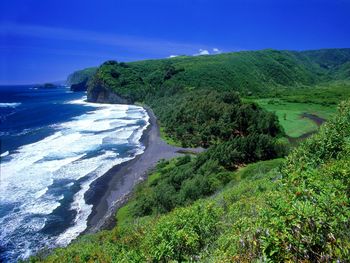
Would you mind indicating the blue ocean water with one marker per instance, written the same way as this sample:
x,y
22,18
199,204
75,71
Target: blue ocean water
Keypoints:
x,y
53,146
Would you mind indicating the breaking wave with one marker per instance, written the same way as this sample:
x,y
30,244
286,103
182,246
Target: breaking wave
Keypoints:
x,y
44,181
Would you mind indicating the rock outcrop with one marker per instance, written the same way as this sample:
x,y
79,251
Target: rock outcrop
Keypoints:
x,y
47,86
82,86
102,95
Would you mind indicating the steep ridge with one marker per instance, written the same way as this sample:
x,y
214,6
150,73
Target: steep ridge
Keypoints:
x,y
248,72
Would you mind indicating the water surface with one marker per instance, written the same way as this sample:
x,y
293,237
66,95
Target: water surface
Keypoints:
x,y
53,146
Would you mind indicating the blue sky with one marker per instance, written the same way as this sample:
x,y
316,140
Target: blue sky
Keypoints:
x,y
45,40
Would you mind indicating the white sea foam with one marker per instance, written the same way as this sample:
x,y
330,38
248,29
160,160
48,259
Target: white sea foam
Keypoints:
x,y
9,104
80,149
4,154
83,209
41,193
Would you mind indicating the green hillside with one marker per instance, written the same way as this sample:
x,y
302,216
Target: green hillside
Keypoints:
x,y
249,72
336,61
292,210
317,78
80,76
241,71
251,196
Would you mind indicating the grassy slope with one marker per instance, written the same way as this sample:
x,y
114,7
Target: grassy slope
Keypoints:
x,y
125,215
255,71
248,174
298,211
293,210
80,75
319,77
249,71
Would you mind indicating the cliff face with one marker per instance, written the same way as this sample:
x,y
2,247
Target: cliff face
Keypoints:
x,y
112,83
80,76
102,95
82,86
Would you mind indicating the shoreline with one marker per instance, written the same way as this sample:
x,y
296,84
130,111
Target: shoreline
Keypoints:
x,y
112,190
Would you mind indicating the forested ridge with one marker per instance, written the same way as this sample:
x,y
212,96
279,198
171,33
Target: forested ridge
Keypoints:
x,y
240,200
249,72
169,85
80,76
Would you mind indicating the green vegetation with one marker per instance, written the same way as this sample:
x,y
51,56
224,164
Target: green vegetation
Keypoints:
x,y
248,72
167,138
236,134
292,210
336,61
204,118
290,105
237,201
113,74
80,76
313,77
326,94
290,115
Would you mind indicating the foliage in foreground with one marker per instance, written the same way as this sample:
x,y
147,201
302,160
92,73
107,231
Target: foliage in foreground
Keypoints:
x,y
184,180
298,212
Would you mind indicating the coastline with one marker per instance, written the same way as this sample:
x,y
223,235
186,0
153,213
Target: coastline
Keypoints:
x,y
112,190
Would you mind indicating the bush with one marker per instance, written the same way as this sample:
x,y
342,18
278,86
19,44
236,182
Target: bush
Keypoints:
x,y
181,235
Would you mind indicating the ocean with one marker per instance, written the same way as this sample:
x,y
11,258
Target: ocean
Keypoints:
x,y
54,144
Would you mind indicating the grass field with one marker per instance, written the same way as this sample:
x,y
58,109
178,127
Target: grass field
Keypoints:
x,y
289,115
290,103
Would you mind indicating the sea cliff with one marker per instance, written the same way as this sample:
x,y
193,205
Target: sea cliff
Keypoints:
x,y
102,95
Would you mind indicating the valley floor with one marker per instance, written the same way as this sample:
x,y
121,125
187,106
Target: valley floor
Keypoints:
x,y
295,105
298,119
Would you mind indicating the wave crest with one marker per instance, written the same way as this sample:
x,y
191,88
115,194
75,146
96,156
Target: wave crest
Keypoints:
x,y
80,151
9,104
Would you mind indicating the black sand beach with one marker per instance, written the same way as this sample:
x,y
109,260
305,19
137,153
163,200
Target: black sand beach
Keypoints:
x,y
112,190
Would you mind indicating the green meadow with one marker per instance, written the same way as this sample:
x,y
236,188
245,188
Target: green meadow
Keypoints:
x,y
290,115
289,104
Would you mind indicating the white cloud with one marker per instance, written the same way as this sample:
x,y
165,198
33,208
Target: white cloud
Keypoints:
x,y
202,52
216,50
173,56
